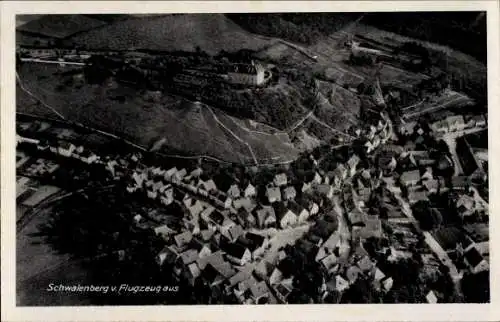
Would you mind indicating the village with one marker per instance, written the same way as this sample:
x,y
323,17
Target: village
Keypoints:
x,y
352,220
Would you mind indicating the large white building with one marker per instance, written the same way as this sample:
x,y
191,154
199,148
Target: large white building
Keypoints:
x,y
246,74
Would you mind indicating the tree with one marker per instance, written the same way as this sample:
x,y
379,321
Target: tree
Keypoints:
x,y
428,218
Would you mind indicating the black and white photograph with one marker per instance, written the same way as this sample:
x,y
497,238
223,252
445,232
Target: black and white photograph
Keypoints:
x,y
251,158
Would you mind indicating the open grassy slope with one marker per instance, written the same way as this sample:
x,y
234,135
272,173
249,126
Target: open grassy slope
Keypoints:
x,y
211,33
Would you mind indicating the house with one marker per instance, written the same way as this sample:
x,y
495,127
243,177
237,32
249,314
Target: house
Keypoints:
x,y
234,191
192,273
352,274
289,193
475,261
273,194
276,277
431,298
227,224
139,178
152,194
166,256
246,203
455,122
313,208
325,190
244,274
341,284
246,74
196,209
372,228
465,206
168,195
282,291
356,217
415,196
284,216
266,217
216,258
378,275
217,272
410,178
301,212
206,234
208,186
352,163
432,186
264,269
246,219
256,243
66,148
88,157
170,173
460,183
179,175
260,293
234,232
189,256
387,283
228,201
340,174
306,187
478,120
163,230
249,191
196,173
280,180
317,178
183,239
237,253
365,264
328,246
329,262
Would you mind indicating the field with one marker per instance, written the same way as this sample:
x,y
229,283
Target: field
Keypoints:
x,y
212,33
178,124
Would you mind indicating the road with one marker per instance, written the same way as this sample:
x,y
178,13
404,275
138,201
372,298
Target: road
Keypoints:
x,y
281,238
43,61
433,244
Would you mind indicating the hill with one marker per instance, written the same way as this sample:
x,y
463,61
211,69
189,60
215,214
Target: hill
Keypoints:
x,y
211,32
169,123
57,25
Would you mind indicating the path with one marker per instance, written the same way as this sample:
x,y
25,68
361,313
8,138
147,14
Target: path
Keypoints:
x,y
233,134
42,61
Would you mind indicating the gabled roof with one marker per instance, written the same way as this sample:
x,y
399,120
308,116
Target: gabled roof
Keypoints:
x,y
409,176
473,256
431,297
252,241
183,238
264,213
236,250
280,209
273,193
353,161
295,207
259,289
365,264
189,256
